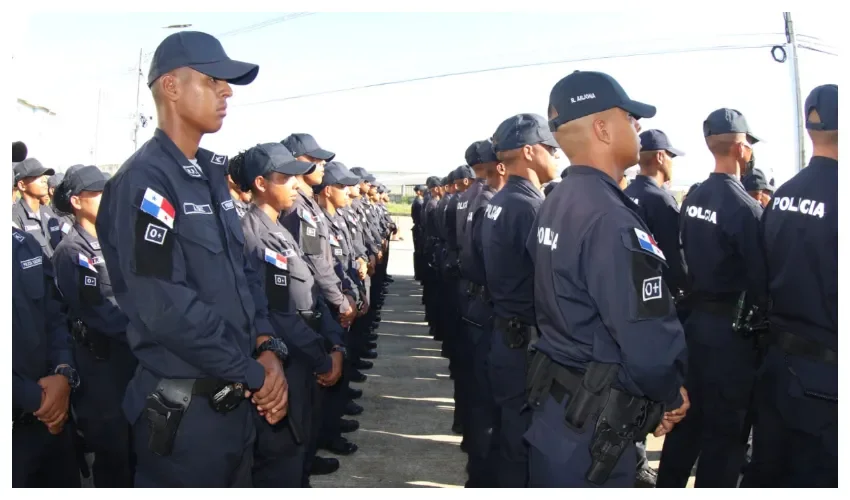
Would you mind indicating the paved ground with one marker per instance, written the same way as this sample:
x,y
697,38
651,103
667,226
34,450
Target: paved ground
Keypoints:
x,y
405,436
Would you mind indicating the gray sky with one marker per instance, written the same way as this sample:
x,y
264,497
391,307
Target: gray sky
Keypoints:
x,y
67,60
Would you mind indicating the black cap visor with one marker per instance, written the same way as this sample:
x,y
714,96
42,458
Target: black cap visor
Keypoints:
x,y
233,72
638,109
321,154
348,181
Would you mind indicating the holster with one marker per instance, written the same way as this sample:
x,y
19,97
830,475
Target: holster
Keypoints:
x,y
96,342
518,335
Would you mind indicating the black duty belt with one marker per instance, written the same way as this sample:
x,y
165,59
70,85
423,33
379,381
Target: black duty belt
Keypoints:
x,y
718,307
797,345
311,318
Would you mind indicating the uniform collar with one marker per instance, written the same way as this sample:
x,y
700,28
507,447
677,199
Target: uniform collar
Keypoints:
x,y
208,162
330,218
823,162
590,171
270,225
524,185
92,242
30,215
646,180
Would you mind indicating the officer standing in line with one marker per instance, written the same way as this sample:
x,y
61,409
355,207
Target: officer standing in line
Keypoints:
x,y
197,362
526,148
415,215
432,289
53,181
304,221
98,327
283,456
331,196
591,405
720,238
758,187
795,438
241,201
28,214
42,373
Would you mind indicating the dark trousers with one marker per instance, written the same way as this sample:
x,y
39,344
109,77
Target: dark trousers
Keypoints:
x,y
42,460
333,408
278,459
99,417
795,437
507,371
559,457
483,414
721,368
211,449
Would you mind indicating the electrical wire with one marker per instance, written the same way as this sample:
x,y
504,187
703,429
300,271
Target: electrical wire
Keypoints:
x,y
501,68
264,24
813,49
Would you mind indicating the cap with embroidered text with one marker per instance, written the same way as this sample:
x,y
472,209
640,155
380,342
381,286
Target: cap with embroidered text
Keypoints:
x,y
306,145
824,100
525,129
480,152
656,140
201,52
31,168
584,93
727,121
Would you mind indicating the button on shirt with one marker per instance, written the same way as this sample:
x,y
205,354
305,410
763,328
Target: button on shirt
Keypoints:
x,y
174,249
659,210
288,284
505,227
40,339
720,239
598,290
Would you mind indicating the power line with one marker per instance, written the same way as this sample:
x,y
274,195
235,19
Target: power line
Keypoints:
x,y
501,68
264,24
813,49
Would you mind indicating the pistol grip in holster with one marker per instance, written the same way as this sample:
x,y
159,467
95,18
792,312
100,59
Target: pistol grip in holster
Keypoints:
x,y
164,409
596,381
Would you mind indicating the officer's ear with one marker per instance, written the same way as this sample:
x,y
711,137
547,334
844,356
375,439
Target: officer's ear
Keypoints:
x,y
260,184
500,169
659,157
528,153
76,203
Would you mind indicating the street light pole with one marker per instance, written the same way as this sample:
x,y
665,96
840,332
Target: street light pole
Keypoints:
x,y
138,91
791,38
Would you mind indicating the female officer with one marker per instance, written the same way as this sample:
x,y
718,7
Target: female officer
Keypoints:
x,y
267,171
104,361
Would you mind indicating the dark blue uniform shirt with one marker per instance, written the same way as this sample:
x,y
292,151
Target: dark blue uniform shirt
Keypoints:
x,y
40,339
598,291
174,250
659,210
38,224
505,227
721,242
471,260
801,245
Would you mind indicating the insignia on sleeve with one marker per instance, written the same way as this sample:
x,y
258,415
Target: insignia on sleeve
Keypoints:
x,y
35,261
90,281
647,243
334,241
84,261
154,204
155,234
275,259
652,288
280,280
308,218
18,237
227,204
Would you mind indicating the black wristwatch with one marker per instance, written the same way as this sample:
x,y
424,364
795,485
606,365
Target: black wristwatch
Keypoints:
x,y
343,350
69,373
275,345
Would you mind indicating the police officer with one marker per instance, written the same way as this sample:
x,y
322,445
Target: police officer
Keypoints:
x,y
431,282
526,148
415,215
758,187
241,200
720,239
611,354
795,438
28,214
173,247
98,327
42,373
284,453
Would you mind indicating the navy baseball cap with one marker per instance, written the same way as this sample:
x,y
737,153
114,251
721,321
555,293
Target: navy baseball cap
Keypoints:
x,y
727,121
305,144
656,140
584,93
31,168
204,54
824,100
337,173
87,178
55,180
757,181
464,172
525,129
480,152
432,182
265,158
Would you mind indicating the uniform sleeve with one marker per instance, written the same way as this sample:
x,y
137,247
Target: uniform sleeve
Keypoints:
x,y
59,338
330,329
748,240
154,273
635,306
26,393
415,213
667,235
261,314
81,291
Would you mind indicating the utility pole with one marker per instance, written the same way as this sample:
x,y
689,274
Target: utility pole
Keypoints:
x,y
97,126
137,116
791,38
